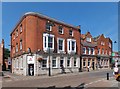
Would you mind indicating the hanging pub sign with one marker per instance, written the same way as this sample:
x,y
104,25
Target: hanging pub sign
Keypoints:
x,y
9,61
30,59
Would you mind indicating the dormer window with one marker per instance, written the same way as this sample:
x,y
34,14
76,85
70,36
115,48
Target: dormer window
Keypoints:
x,y
60,30
48,27
70,32
102,43
88,39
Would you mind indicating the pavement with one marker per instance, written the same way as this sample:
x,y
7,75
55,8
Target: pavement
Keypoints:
x,y
79,79
14,77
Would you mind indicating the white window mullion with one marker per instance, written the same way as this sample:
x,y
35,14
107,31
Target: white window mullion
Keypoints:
x,y
64,45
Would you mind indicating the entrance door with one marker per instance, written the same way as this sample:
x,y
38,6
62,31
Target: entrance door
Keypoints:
x,y
31,69
93,65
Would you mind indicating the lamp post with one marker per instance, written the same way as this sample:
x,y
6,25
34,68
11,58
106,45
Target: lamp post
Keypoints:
x,y
116,62
49,50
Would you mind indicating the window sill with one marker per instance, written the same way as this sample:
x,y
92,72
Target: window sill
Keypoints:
x,y
21,68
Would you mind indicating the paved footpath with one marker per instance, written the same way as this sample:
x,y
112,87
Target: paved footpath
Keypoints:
x,y
13,77
86,79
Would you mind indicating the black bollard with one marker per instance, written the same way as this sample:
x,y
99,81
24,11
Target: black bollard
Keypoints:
x,y
107,76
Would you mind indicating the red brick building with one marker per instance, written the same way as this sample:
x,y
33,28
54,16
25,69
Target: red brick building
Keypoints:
x,y
104,47
89,51
96,51
50,43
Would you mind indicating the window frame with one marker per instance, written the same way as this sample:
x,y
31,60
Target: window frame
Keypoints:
x,y
21,28
84,52
48,27
88,39
44,60
55,65
21,44
70,32
60,28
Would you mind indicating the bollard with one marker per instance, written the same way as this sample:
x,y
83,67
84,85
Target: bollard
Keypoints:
x,y
107,76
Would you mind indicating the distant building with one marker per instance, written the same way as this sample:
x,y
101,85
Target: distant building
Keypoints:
x,y
89,51
116,58
1,54
40,41
104,47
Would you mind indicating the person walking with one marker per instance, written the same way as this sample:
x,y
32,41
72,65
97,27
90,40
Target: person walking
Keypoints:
x,y
63,69
31,70
88,68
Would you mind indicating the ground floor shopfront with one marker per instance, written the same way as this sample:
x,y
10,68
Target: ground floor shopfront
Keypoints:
x,y
93,62
39,64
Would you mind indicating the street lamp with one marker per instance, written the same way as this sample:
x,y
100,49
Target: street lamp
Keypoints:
x,y
116,61
80,69
49,50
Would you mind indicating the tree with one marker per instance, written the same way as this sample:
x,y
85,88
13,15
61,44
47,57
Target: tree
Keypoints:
x,y
6,53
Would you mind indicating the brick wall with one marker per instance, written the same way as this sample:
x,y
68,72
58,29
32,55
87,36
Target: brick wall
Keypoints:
x,y
32,35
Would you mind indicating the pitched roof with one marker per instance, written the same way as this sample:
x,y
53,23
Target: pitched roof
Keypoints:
x,y
89,44
46,17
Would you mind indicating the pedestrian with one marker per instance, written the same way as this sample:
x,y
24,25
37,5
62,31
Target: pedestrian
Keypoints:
x,y
31,70
116,70
63,69
88,68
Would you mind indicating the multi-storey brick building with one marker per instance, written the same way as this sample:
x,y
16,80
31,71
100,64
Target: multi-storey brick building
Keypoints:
x,y
96,51
104,47
43,42
1,54
89,51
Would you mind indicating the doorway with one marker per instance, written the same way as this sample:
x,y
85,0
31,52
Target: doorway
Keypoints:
x,y
31,69
93,65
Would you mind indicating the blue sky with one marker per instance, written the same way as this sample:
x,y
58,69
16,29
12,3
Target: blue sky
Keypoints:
x,y
96,17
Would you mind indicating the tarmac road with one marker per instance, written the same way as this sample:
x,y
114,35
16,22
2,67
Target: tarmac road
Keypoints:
x,y
86,79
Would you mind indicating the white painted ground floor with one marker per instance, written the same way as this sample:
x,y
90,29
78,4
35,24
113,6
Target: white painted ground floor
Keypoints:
x,y
39,64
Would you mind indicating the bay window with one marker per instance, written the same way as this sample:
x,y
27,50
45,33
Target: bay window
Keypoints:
x,y
48,42
71,45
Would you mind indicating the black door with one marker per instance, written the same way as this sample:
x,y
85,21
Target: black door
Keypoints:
x,y
31,69
93,65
